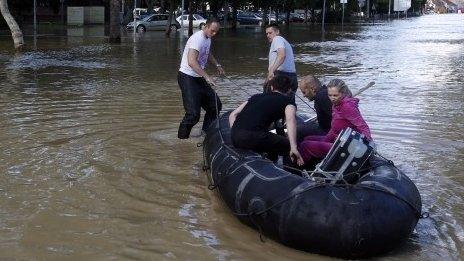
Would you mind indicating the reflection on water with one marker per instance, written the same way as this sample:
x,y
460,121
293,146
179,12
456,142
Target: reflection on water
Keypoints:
x,y
92,167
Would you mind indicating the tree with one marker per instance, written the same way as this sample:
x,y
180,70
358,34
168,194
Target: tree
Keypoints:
x,y
235,6
172,4
191,10
150,5
115,31
14,28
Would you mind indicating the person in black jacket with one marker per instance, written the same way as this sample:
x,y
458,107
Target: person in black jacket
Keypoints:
x,y
251,120
312,89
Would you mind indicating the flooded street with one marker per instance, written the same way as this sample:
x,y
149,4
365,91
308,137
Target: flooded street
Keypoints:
x,y
91,166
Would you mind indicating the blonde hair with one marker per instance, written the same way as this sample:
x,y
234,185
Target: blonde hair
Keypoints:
x,y
341,87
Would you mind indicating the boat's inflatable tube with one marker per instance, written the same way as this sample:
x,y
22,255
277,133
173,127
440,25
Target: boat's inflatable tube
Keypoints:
x,y
359,220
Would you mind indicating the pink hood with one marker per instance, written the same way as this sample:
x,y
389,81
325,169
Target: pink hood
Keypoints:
x,y
346,114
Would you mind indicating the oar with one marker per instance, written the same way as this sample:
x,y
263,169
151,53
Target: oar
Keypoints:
x,y
369,85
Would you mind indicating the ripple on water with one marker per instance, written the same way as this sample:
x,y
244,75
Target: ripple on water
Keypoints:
x,y
84,57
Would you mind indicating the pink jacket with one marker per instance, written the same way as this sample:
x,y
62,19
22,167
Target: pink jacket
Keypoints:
x,y
346,114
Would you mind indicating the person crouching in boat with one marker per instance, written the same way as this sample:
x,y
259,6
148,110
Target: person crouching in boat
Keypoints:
x,y
251,120
345,113
314,90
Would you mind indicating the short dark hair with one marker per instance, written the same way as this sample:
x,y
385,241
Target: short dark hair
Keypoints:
x,y
280,83
211,20
274,26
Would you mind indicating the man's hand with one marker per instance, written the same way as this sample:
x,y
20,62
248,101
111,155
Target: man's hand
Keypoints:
x,y
270,75
296,157
220,70
210,81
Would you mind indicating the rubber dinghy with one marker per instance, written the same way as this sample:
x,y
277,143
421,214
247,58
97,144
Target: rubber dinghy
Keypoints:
x,y
367,218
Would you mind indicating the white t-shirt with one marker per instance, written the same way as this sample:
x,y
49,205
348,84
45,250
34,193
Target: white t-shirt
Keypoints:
x,y
289,63
198,41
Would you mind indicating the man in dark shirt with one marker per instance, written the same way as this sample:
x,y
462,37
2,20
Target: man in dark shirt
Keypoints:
x,y
312,89
251,120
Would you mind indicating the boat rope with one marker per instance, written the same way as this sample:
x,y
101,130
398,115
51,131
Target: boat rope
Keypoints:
x,y
285,199
318,183
251,214
417,212
238,86
214,185
420,214
241,88
256,224
321,183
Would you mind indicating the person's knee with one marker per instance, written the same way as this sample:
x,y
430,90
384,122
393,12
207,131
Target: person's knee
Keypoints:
x,y
215,107
192,117
196,117
219,105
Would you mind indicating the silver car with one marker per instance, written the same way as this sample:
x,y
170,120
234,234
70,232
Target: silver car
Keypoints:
x,y
153,22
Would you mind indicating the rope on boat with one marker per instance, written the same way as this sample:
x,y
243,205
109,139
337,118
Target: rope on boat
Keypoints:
x,y
241,88
421,215
319,183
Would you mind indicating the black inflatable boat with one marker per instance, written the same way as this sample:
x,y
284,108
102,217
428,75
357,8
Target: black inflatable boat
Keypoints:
x,y
368,217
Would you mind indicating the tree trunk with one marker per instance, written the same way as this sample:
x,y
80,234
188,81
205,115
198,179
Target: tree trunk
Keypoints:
x,y
287,17
214,8
266,16
313,16
14,28
234,14
226,13
162,6
306,15
368,10
288,9
171,18
115,30
190,30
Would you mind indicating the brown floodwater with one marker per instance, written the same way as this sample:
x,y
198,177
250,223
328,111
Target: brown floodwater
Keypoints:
x,y
91,167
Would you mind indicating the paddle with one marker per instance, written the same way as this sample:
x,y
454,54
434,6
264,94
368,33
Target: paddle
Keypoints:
x,y
369,85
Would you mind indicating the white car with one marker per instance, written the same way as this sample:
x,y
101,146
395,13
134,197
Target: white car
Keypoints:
x,y
198,20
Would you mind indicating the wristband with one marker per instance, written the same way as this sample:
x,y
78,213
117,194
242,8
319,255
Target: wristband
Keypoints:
x,y
218,65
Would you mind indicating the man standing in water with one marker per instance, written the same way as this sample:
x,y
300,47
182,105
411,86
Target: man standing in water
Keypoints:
x,y
281,60
195,83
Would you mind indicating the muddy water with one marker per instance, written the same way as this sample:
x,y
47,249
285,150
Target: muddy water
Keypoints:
x,y
90,165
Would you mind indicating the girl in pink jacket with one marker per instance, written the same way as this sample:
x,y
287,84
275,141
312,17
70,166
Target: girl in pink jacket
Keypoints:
x,y
345,113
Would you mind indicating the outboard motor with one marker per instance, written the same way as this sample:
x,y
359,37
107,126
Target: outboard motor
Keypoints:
x,y
348,157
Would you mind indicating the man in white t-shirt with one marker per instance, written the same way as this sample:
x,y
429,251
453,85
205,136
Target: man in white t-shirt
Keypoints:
x,y
195,83
281,60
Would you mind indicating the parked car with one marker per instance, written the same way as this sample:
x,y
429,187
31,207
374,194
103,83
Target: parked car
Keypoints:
x,y
139,13
153,22
248,19
297,18
198,20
